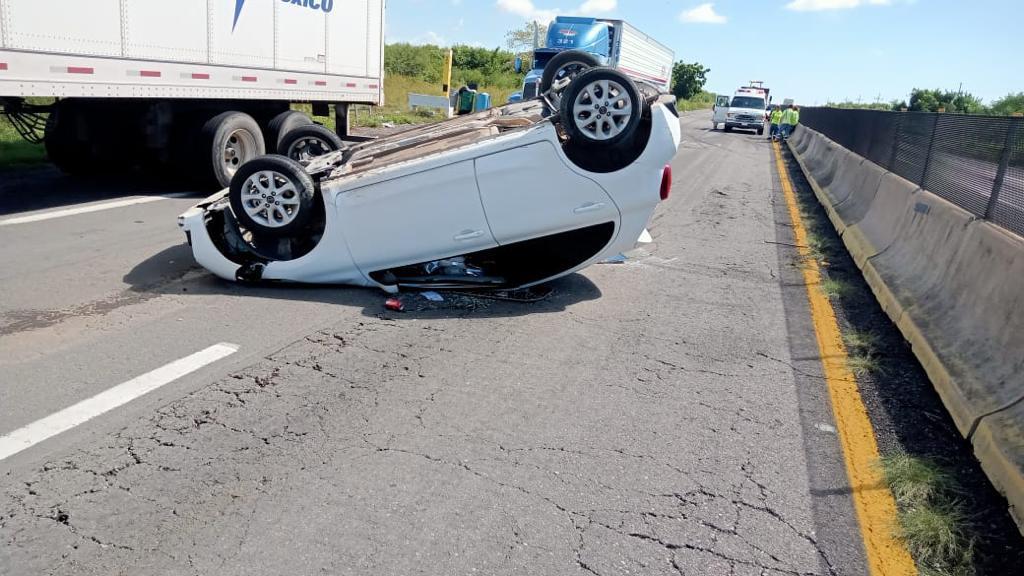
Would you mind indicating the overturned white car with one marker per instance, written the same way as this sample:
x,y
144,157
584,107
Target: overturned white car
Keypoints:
x,y
510,197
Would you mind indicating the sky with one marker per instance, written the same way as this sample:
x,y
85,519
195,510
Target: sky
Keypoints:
x,y
814,51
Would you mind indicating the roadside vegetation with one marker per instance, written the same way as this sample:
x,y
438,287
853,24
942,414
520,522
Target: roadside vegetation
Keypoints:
x,y
699,101
932,519
949,101
14,151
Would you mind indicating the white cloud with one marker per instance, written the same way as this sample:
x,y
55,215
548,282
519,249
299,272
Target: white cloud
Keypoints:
x,y
823,5
598,6
704,14
527,10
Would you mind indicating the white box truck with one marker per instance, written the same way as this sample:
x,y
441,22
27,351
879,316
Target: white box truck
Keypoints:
x,y
192,85
613,43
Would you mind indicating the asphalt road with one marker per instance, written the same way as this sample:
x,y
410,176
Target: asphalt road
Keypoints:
x,y
661,416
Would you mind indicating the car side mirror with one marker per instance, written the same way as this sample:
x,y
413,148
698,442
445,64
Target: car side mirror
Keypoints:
x,y
518,66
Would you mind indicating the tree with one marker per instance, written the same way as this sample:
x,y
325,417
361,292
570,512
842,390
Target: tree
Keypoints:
x,y
688,79
1009,104
923,100
521,40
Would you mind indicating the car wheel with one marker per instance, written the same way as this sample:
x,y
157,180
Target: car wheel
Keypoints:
x,y
232,139
601,107
272,196
282,124
760,131
728,128
304,143
565,65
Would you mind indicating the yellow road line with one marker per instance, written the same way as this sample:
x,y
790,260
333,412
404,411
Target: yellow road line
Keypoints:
x,y
874,503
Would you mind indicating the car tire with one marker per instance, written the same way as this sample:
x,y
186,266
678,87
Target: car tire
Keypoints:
x,y
760,131
728,128
602,107
230,139
280,125
304,143
566,64
272,196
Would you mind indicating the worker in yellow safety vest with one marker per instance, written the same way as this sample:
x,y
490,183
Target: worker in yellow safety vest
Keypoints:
x,y
774,119
789,119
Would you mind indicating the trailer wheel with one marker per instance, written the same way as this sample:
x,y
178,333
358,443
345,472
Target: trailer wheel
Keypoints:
x,y
304,143
602,107
272,196
282,124
563,65
232,139
68,153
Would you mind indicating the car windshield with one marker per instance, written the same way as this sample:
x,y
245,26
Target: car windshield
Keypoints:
x,y
748,102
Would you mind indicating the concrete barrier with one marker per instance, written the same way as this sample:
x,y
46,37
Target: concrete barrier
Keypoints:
x,y
953,286
997,444
877,228
800,139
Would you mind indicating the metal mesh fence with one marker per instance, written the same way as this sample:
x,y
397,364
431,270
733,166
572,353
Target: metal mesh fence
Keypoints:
x,y
975,162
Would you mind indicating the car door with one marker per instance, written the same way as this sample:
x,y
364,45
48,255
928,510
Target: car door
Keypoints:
x,y
416,217
721,109
529,192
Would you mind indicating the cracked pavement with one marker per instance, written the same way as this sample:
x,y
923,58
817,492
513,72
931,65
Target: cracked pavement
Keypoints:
x,y
647,418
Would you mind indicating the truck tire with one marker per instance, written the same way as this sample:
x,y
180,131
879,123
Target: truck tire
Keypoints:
x,y
760,131
304,143
272,196
568,64
230,139
728,128
69,153
280,125
601,107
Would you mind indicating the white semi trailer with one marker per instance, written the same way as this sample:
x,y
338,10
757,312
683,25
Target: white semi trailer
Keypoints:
x,y
194,85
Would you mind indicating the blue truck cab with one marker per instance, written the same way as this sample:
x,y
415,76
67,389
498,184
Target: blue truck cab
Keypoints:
x,y
568,33
612,43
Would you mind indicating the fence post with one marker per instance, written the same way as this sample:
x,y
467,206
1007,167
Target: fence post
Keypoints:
x,y
928,156
895,142
1004,163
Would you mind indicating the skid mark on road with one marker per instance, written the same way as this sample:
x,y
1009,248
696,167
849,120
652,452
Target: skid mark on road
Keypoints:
x,y
17,321
34,433
65,212
874,503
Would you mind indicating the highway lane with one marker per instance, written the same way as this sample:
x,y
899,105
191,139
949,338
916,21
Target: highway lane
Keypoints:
x,y
665,415
94,299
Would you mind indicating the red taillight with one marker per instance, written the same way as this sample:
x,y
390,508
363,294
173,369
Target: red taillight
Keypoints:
x,y
666,182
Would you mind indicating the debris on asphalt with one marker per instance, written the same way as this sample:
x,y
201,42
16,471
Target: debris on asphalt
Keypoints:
x,y
394,304
432,296
617,259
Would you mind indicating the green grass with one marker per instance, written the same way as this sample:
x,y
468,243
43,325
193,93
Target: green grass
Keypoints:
x,y
14,151
702,101
396,104
835,288
863,352
860,341
932,521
